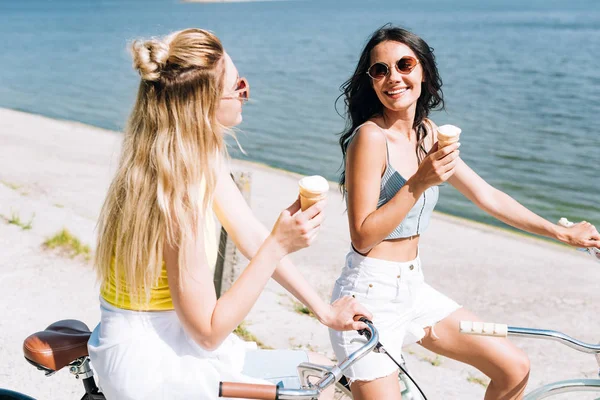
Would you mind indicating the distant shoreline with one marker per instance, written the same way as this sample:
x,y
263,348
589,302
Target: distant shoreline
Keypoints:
x,y
223,1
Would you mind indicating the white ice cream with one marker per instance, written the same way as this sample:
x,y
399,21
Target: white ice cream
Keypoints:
x,y
447,132
314,184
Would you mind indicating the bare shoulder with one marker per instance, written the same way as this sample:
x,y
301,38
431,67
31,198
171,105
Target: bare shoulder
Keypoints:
x,y
367,138
367,152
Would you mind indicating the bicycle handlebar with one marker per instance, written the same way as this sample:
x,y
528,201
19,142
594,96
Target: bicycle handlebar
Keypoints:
x,y
491,329
237,390
248,391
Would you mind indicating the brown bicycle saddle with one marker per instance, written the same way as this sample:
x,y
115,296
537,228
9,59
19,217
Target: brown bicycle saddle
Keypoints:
x,y
58,345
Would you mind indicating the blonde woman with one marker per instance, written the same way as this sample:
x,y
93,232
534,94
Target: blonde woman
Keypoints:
x,y
163,332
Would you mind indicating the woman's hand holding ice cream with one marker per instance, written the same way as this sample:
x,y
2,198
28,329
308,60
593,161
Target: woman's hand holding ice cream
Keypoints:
x,y
437,167
299,224
295,229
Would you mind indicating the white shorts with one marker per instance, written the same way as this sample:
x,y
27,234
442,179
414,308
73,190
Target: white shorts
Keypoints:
x,y
402,305
148,355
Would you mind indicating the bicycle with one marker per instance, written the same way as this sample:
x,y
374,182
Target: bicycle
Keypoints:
x,y
64,344
553,388
326,376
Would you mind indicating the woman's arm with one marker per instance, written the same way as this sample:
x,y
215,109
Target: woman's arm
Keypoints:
x,y
208,320
248,233
506,209
365,164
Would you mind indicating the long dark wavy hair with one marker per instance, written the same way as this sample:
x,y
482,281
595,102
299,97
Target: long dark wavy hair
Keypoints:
x,y
362,102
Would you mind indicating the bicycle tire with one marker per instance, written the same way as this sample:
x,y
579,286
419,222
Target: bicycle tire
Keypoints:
x,y
561,387
11,395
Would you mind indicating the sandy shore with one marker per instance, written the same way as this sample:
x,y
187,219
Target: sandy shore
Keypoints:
x,y
55,173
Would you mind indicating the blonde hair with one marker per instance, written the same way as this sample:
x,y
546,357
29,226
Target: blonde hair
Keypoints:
x,y
167,170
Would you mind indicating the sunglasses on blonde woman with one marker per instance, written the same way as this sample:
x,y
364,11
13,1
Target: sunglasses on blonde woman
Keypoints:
x,y
241,92
380,70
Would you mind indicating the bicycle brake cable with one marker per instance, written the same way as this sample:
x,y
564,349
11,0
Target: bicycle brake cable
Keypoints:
x,y
380,349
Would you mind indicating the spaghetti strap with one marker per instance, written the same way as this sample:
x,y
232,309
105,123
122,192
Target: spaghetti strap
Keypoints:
x,y
387,150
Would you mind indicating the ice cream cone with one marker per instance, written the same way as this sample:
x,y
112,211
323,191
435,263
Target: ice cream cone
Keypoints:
x,y
312,189
448,134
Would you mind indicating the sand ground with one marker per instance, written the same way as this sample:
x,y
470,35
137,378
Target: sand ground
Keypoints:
x,y
55,174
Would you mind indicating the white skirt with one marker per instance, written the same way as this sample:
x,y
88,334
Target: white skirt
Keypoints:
x,y
149,355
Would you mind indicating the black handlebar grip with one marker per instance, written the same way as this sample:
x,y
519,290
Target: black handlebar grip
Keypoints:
x,y
365,332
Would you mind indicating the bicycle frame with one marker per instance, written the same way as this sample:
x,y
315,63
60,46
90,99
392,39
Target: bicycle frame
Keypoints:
x,y
307,370
554,388
81,369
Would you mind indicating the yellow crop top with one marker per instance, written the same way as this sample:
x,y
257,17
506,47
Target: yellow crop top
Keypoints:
x,y
160,296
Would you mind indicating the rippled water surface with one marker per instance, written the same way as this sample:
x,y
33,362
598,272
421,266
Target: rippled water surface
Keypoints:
x,y
522,80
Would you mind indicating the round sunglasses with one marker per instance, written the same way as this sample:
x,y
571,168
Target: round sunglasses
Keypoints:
x,y
241,92
380,70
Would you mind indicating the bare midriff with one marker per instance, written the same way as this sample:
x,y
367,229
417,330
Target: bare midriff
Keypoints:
x,y
399,250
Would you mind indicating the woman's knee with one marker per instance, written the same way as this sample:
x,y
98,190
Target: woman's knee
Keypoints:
x,y
522,365
516,369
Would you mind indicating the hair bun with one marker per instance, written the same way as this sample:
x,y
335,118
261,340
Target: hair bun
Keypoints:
x,y
149,57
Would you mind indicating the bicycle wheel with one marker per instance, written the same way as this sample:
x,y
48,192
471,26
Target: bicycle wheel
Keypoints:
x,y
561,387
10,395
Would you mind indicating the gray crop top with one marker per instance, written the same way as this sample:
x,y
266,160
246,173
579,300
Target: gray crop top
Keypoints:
x,y
417,219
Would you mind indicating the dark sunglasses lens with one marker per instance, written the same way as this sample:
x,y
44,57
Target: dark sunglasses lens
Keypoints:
x,y
243,89
406,64
378,71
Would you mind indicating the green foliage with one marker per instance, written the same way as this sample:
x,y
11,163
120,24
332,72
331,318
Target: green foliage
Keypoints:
x,y
68,244
243,333
15,219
